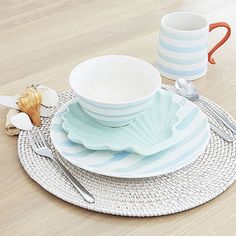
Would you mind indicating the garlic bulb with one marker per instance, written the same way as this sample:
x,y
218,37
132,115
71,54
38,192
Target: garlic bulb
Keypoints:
x,y
49,96
30,103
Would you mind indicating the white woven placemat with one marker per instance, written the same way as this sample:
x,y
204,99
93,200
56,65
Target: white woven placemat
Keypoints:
x,y
210,175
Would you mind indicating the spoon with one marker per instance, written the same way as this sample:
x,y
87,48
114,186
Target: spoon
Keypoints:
x,y
189,90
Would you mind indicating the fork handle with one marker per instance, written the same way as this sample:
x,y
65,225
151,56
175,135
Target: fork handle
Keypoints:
x,y
84,193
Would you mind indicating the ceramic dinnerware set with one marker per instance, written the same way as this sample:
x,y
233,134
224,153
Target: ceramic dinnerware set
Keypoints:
x,y
122,123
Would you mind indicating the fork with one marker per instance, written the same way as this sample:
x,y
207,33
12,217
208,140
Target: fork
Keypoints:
x,y
42,148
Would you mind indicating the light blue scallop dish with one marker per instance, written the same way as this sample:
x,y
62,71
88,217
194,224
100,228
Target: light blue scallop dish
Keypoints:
x,y
193,136
153,131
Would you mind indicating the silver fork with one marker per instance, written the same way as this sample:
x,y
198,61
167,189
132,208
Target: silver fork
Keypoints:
x,y
42,148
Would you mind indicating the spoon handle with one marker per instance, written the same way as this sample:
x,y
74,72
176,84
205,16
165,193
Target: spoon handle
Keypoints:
x,y
219,117
221,133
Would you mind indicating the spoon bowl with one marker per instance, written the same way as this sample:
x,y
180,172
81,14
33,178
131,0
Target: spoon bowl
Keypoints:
x,y
187,89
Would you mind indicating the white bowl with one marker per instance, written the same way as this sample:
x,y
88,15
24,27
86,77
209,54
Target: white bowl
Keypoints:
x,y
115,89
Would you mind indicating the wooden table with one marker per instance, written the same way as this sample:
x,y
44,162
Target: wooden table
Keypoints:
x,y
40,42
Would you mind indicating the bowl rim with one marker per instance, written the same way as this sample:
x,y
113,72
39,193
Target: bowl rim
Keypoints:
x,y
130,101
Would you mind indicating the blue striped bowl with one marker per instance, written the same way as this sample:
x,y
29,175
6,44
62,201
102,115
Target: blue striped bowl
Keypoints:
x,y
115,89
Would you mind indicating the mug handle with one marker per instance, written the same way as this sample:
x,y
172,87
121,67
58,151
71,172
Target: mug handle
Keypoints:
x,y
222,41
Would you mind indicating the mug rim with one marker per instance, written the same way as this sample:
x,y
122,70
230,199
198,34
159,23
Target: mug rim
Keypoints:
x,y
179,30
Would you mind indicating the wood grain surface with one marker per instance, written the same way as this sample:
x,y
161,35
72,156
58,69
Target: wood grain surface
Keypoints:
x,y
40,42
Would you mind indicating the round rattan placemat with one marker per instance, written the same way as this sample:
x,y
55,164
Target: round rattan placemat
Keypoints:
x,y
210,175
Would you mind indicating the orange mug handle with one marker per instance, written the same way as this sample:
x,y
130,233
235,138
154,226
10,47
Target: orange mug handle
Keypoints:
x,y
222,41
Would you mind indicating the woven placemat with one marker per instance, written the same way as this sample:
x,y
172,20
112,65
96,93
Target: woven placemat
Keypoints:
x,y
210,175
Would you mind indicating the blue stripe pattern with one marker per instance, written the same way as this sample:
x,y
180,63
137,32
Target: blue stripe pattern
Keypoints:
x,y
178,49
101,116
116,157
113,107
181,73
188,119
181,157
181,61
78,154
176,60
157,156
123,114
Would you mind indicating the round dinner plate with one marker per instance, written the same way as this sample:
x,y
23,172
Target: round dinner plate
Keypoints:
x,y
126,164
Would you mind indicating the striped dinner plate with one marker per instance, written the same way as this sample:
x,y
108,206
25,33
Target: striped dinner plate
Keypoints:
x,y
126,164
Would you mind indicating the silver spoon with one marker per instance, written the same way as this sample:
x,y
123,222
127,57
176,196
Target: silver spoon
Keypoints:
x,y
189,90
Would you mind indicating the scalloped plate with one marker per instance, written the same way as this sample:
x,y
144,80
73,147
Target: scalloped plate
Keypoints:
x,y
156,129
124,164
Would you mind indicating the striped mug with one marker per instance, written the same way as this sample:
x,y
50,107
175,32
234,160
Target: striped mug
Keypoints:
x,y
183,45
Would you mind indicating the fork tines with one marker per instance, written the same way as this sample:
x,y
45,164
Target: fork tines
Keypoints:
x,y
37,137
